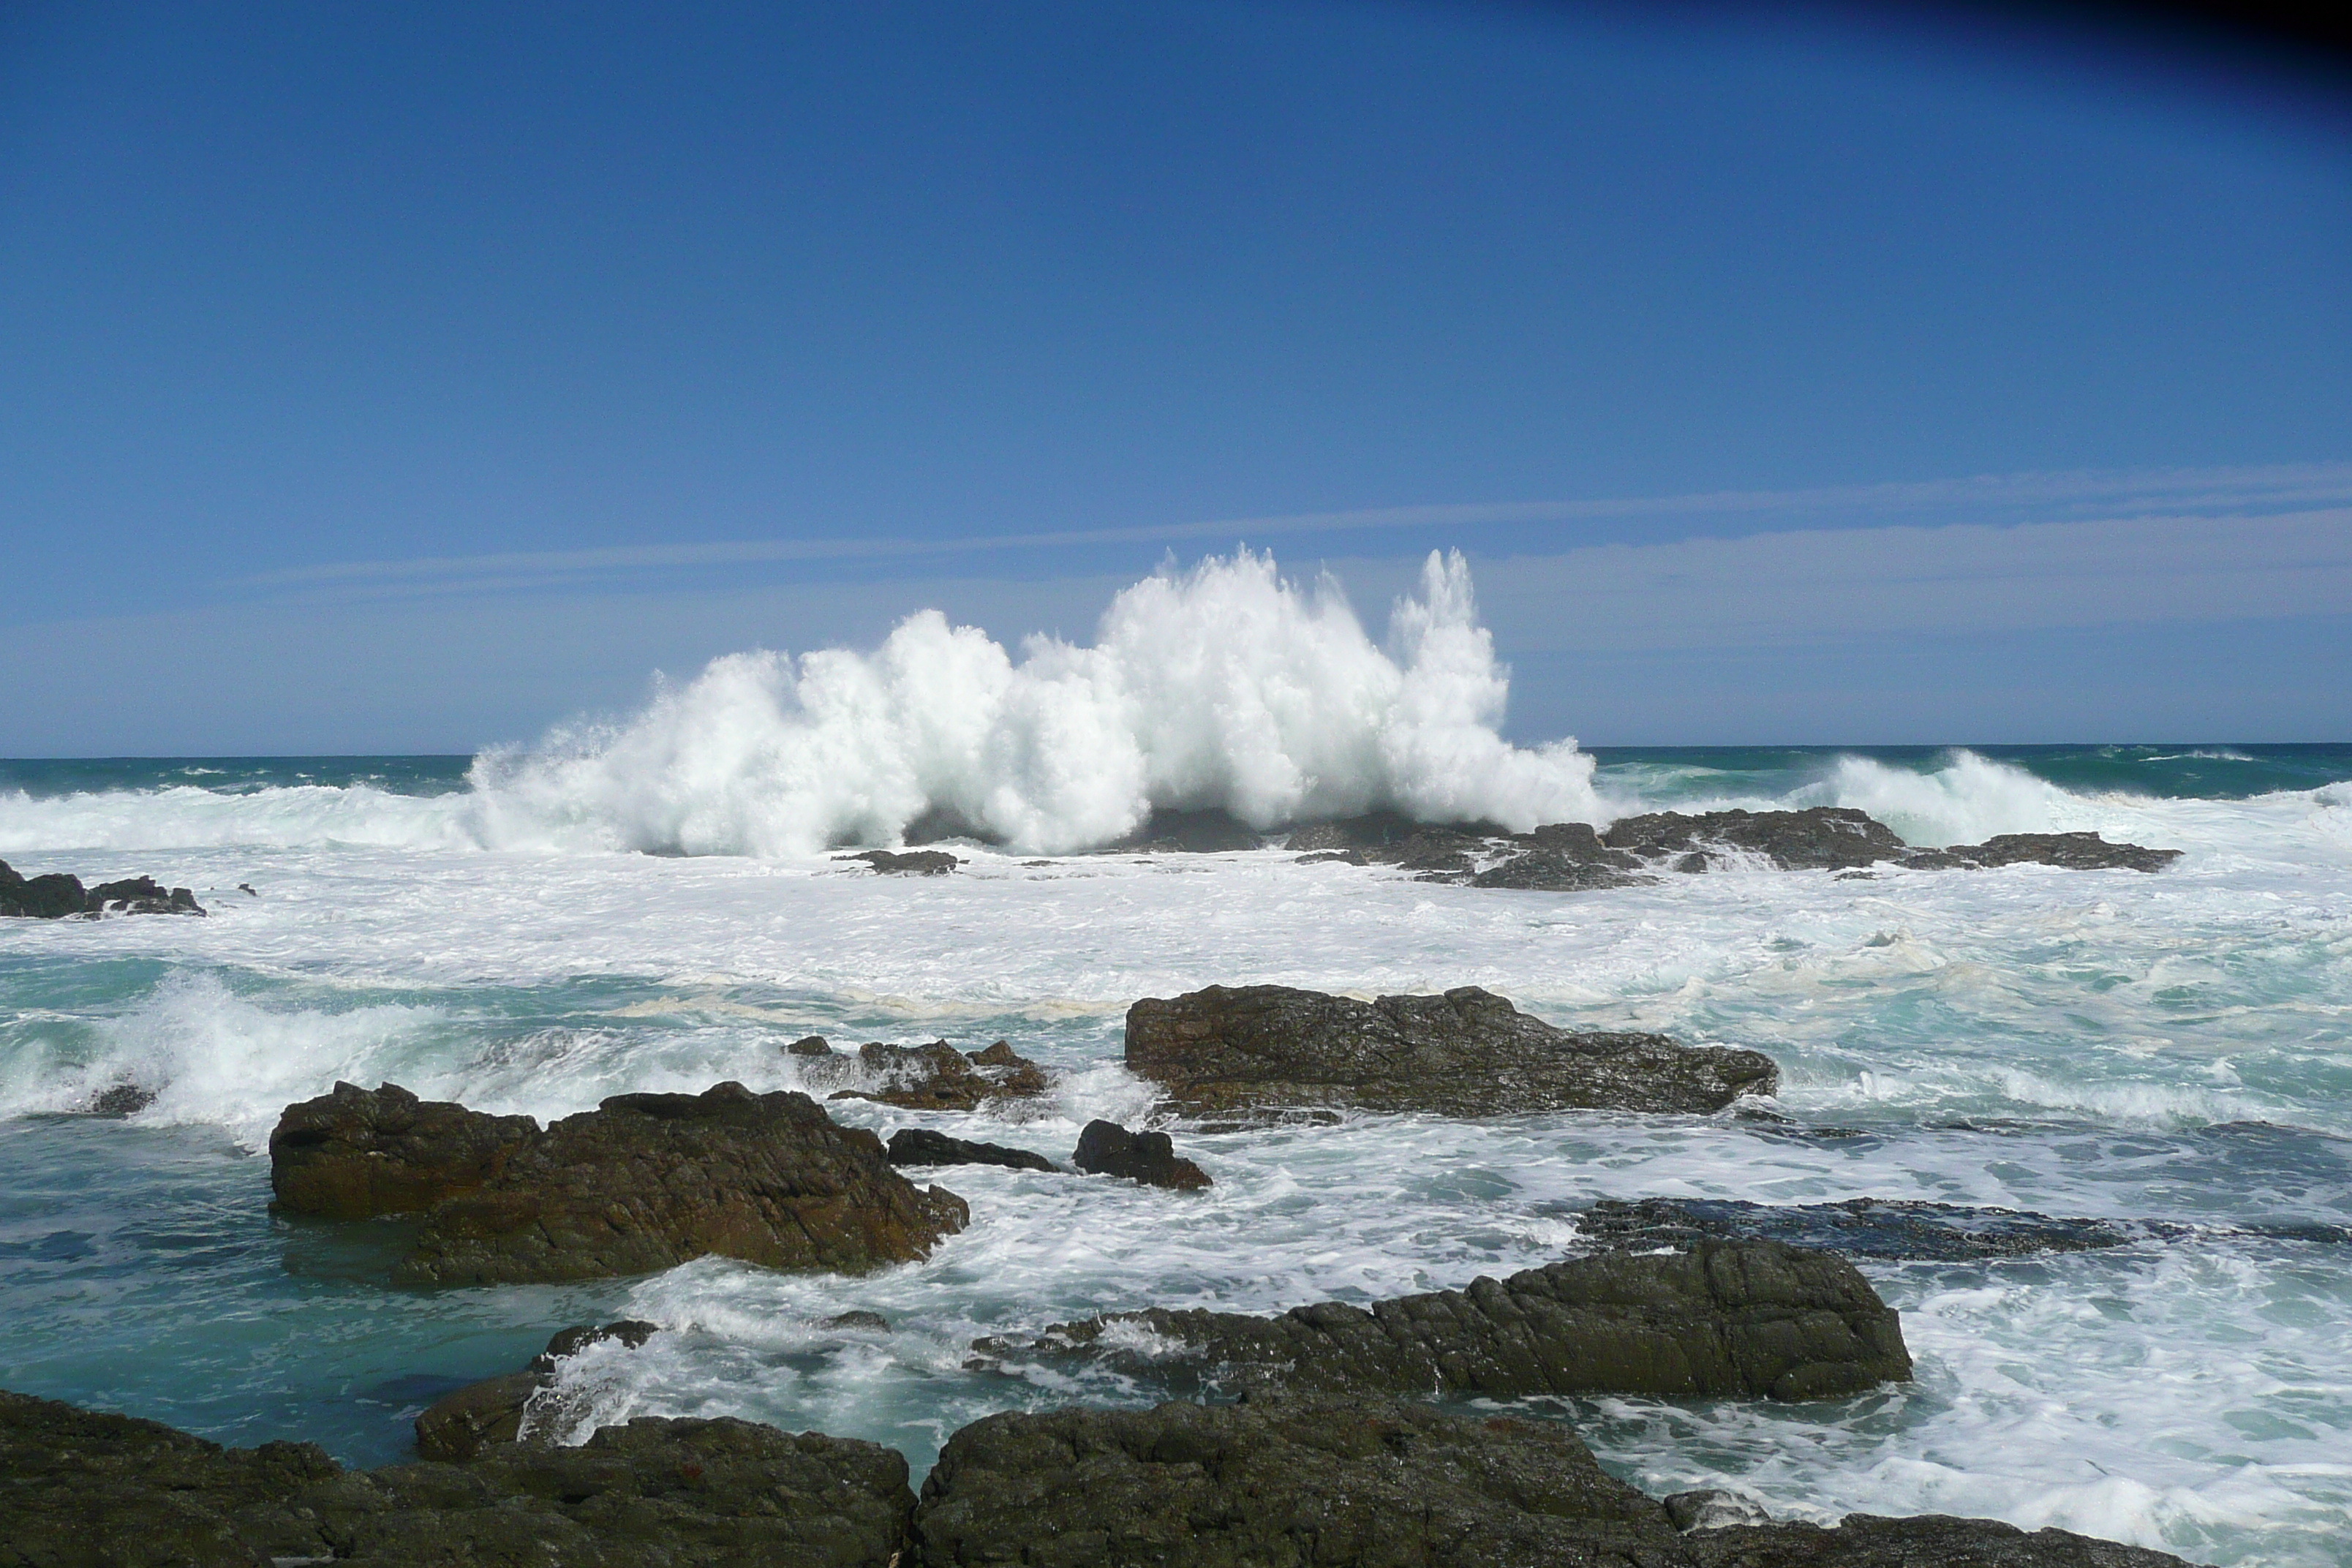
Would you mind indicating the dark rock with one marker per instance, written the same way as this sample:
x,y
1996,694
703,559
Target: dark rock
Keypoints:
x,y
937,1077
1713,1509
810,1045
57,895
357,1153
1820,837
942,822
1858,1228
1206,832
921,1146
646,1181
1725,1319
458,1426
2073,851
1328,856
1107,1149
246,888
122,1100
1304,1483
1929,1541
912,863
1466,1053
77,1488
873,1322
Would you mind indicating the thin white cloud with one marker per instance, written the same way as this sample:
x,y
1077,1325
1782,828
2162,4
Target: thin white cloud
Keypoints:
x,y
2168,492
1834,585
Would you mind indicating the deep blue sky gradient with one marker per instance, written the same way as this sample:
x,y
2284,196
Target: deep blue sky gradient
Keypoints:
x,y
283,288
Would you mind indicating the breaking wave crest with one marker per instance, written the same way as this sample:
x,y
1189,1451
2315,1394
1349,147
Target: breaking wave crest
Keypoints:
x,y
1224,687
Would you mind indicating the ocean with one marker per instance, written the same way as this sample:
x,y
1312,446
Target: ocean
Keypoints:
x,y
2172,1052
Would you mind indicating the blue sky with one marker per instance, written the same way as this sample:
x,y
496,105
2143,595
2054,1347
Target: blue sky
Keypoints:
x,y
391,378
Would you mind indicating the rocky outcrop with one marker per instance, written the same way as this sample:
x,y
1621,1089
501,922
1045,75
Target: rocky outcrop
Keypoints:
x,y
936,1077
121,1100
2072,851
81,1488
1725,1319
458,1426
58,894
1205,832
921,1146
1343,1483
1466,1053
1107,1149
646,1181
355,1153
1858,1228
910,863
1571,856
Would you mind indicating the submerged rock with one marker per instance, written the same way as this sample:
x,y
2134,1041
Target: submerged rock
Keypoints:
x,y
58,894
921,1146
122,1100
359,1152
646,1181
1206,832
910,863
459,1425
936,1077
1107,1149
1725,1319
1466,1053
1859,1228
81,1488
1712,1509
1352,1483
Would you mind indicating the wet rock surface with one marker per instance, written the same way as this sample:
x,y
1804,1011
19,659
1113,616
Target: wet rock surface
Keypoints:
x,y
1820,838
1466,1053
79,1487
355,1153
646,1181
921,1146
936,1077
58,894
1107,1149
1345,1482
460,1425
907,863
1206,832
1858,1228
2072,851
1724,1319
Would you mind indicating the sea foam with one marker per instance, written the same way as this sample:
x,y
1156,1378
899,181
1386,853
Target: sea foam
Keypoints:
x,y
1223,687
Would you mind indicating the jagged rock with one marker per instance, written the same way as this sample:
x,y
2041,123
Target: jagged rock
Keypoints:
x,y
1929,1540
2072,851
810,1045
1293,1482
1323,1483
1820,837
58,894
122,1100
921,1146
358,1153
1466,1053
1725,1319
646,1181
79,1487
1713,1509
1858,1228
911,863
936,1077
1107,1149
458,1426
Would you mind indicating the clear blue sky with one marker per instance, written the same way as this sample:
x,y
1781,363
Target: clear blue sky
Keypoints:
x,y
382,377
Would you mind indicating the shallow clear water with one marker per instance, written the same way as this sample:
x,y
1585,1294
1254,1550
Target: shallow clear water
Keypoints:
x,y
2169,1047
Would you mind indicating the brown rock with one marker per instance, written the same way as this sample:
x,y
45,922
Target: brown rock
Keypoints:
x,y
646,1181
936,1077
1107,1149
358,1153
1466,1053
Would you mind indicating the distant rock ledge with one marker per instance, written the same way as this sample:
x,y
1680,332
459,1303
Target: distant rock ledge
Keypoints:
x,y
57,895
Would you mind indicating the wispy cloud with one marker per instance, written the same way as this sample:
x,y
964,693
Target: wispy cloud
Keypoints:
x,y
2010,499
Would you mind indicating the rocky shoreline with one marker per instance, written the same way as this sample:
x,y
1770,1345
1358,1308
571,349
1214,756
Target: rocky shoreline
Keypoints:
x,y
58,895
1332,1481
